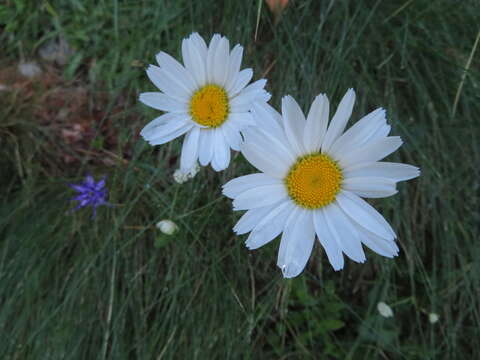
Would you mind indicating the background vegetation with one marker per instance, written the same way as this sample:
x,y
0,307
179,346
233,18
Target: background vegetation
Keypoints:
x,y
73,287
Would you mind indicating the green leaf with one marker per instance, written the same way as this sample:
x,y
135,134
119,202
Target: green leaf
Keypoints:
x,y
162,241
73,65
332,324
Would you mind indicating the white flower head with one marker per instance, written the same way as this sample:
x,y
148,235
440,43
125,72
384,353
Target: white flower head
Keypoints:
x,y
29,69
180,176
167,227
207,99
312,178
433,318
384,309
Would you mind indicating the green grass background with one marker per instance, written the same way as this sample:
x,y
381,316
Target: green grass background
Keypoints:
x,y
114,288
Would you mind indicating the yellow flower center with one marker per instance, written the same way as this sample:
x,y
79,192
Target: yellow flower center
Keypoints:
x,y
314,181
209,106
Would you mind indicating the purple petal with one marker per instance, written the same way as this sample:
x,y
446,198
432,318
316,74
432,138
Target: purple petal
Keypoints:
x,y
77,207
78,197
89,180
79,188
84,202
100,185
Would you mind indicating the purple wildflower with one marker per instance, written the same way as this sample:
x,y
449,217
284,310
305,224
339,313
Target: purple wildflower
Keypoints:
x,y
90,194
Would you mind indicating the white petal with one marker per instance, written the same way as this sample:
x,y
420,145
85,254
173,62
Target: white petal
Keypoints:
x,y
389,170
296,244
269,120
164,81
291,220
221,152
251,218
270,226
373,151
232,135
360,133
168,132
380,133
241,120
212,50
176,69
256,85
234,66
151,128
332,249
365,215
381,246
370,187
194,63
248,96
316,126
236,186
294,122
221,62
339,120
163,102
205,150
264,96
253,88
260,196
200,44
243,79
272,147
344,232
243,102
189,155
264,160
163,126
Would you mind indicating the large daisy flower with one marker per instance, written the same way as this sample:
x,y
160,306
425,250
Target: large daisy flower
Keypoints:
x,y
207,99
312,181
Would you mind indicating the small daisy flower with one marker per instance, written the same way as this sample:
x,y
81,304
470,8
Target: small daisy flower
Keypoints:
x,y
180,176
433,318
90,194
207,99
311,182
384,309
167,227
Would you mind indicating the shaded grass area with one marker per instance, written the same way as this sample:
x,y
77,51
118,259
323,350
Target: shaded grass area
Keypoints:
x,y
113,288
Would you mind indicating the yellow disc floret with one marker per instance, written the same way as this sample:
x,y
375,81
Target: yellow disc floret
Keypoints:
x,y
314,181
209,106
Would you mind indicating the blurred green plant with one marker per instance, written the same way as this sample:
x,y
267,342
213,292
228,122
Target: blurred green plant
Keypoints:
x,y
309,321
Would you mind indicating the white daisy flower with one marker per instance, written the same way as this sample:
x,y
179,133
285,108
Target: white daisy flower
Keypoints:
x,y
433,318
311,182
207,99
167,227
384,309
